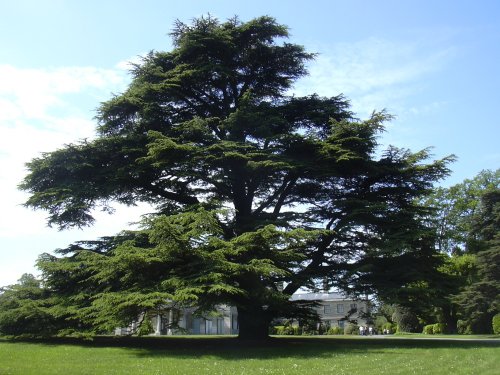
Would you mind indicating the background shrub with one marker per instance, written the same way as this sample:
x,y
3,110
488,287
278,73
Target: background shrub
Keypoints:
x,y
335,331
428,329
351,329
380,322
279,330
406,320
287,330
463,327
438,328
496,324
145,328
390,327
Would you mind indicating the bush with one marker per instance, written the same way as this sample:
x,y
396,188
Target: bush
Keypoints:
x,y
307,330
496,324
145,328
351,329
286,330
389,327
380,322
279,330
428,329
463,327
406,320
438,328
323,329
335,331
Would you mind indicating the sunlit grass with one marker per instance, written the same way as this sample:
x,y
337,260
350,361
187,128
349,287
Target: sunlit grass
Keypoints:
x,y
212,355
444,336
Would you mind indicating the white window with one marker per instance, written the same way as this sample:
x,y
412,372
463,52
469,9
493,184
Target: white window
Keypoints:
x,y
340,308
354,306
341,323
327,309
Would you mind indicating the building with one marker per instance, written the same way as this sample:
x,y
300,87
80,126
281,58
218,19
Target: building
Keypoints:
x,y
333,309
223,321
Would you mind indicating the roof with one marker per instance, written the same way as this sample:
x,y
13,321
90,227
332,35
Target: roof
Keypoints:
x,y
318,297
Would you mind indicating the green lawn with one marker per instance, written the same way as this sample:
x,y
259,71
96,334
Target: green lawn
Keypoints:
x,y
217,355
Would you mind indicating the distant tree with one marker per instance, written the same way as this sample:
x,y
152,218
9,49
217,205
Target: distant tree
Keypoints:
x,y
466,224
479,301
457,272
456,208
252,189
27,308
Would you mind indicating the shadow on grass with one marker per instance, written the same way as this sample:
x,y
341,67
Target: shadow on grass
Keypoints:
x,y
274,347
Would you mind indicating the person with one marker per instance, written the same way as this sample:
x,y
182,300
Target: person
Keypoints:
x,y
370,329
361,330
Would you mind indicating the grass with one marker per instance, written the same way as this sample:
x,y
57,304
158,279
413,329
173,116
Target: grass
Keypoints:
x,y
223,355
449,336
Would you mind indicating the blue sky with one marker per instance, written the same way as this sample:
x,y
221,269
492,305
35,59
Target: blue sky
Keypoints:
x,y
434,64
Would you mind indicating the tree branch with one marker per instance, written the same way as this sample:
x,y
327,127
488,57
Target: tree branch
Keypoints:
x,y
308,272
177,197
277,193
283,195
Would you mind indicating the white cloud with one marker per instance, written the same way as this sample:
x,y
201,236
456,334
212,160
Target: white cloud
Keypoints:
x,y
33,93
127,64
37,114
41,110
372,73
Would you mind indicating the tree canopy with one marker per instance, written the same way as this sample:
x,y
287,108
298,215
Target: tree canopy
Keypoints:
x,y
252,188
466,221
457,212
479,300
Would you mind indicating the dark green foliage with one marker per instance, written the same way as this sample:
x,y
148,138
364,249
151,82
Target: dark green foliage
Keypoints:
x,y
480,300
311,326
27,309
463,327
406,320
251,189
146,328
465,227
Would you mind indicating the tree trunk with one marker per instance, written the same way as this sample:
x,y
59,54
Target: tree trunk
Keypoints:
x,y
450,318
253,323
